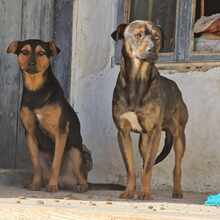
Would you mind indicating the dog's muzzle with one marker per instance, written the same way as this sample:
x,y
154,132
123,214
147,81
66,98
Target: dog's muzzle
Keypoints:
x,y
148,56
31,69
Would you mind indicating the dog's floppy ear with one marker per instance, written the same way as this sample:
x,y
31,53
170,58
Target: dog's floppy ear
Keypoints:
x,y
53,48
118,34
13,46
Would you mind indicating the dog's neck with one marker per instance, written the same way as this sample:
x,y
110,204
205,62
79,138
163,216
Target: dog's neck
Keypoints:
x,y
34,82
138,76
37,91
135,69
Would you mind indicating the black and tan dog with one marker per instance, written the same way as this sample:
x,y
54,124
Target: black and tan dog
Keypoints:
x,y
146,103
50,121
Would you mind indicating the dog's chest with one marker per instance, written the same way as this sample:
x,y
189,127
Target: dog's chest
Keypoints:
x,y
39,117
48,119
143,119
132,118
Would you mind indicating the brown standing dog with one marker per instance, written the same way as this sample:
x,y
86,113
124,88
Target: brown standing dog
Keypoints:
x,y
146,103
52,128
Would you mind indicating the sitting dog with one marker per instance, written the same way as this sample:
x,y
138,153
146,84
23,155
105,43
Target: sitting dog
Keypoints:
x,y
146,103
52,128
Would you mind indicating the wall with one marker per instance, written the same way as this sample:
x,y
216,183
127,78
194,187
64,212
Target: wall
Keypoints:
x,y
92,83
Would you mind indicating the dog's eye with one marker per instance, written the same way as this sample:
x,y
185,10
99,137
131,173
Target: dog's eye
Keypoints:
x,y
25,52
140,35
41,53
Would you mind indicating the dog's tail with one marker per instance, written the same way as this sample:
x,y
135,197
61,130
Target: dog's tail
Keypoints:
x,y
106,186
167,147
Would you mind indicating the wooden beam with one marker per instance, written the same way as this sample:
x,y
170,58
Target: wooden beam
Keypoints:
x,y
173,67
202,9
63,36
127,10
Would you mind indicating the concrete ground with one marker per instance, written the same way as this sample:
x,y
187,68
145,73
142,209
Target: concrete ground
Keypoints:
x,y
18,203
21,204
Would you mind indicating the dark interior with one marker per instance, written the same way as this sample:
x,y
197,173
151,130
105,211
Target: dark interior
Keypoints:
x,y
211,7
162,13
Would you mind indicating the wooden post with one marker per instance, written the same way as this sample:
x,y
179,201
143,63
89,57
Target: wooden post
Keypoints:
x,y
127,10
202,10
63,37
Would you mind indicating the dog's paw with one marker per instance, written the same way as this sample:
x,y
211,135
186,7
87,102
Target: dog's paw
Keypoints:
x,y
177,195
144,196
80,188
33,186
127,195
52,188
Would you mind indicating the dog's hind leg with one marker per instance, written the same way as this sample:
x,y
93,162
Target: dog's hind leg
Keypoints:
x,y
67,179
179,149
78,172
177,128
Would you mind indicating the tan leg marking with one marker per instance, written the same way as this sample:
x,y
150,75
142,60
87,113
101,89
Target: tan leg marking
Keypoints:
x,y
29,122
60,142
150,155
125,144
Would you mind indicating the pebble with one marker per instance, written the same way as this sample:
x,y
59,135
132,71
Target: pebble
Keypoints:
x,y
21,197
150,207
40,202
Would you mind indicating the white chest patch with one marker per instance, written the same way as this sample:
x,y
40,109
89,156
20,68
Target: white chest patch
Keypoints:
x,y
39,116
132,118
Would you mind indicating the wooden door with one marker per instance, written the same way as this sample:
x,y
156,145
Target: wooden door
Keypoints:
x,y
19,20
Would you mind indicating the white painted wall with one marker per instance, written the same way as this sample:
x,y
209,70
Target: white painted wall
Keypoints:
x,y
93,81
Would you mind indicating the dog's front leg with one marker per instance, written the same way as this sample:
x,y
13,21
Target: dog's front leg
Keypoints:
x,y
151,148
34,154
60,142
125,144
29,121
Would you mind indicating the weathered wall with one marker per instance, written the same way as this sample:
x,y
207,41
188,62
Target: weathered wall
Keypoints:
x,y
93,80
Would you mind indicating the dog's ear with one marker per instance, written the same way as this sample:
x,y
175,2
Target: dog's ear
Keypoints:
x,y
54,50
118,34
158,36
13,46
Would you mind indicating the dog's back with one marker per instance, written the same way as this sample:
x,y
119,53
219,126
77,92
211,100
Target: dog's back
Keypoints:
x,y
173,100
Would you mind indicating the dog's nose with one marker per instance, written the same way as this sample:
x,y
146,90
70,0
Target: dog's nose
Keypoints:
x,y
32,66
149,50
150,47
32,63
